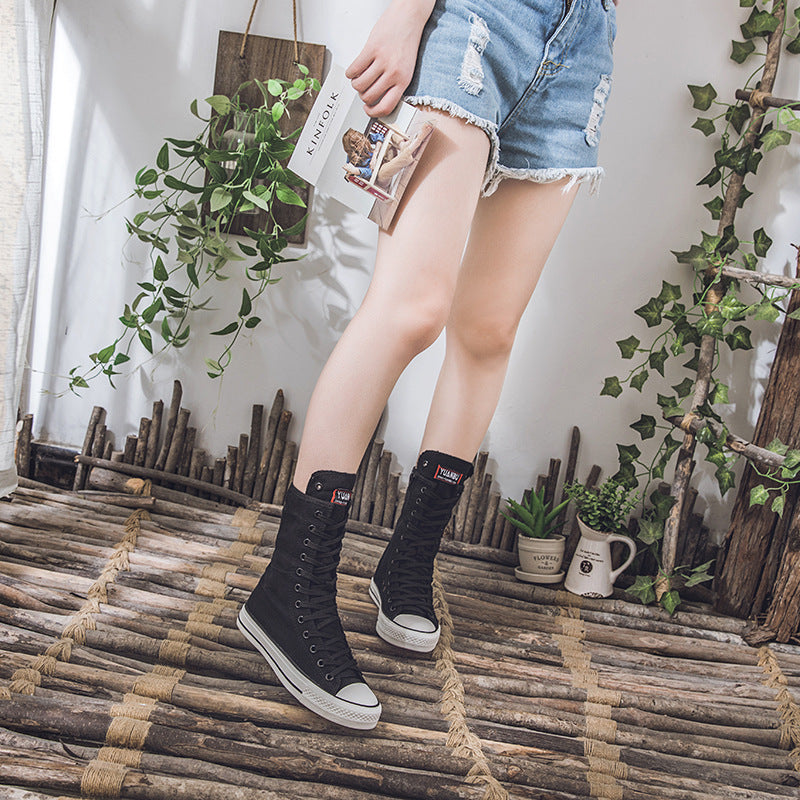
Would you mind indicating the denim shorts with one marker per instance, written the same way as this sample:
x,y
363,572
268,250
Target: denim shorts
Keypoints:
x,y
534,74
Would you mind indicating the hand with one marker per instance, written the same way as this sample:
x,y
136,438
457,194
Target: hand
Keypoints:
x,y
384,68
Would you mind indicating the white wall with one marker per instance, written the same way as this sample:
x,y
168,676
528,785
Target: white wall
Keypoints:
x,y
124,74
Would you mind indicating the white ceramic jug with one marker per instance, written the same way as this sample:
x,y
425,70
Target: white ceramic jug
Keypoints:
x,y
590,572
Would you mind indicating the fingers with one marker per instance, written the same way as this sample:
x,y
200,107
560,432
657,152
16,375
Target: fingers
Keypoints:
x,y
360,63
387,103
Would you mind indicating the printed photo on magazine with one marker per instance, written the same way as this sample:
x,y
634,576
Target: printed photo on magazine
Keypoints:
x,y
364,162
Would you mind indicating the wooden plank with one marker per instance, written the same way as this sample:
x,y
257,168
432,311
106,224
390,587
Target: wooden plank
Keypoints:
x,y
266,57
269,440
254,450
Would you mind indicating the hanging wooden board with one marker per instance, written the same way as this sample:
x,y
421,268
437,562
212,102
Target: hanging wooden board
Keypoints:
x,y
265,57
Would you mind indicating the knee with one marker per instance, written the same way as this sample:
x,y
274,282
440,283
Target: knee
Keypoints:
x,y
412,324
488,338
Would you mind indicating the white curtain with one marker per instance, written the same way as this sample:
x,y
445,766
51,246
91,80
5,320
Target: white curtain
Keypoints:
x,y
24,49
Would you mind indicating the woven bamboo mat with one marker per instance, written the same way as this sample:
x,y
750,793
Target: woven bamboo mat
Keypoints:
x,y
122,674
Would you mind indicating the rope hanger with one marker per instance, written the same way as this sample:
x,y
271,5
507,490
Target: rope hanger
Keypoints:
x,y
294,26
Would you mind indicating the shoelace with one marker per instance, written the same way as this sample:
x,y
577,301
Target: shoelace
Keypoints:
x,y
412,565
318,599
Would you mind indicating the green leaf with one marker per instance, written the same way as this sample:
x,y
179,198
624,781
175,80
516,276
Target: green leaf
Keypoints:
x,y
684,388
256,200
669,292
729,241
761,242
146,176
229,328
749,261
704,125
695,256
628,346
753,160
247,305
611,387
698,575
105,354
159,270
711,325
777,446
714,207
166,333
719,393
146,339
777,504
725,478
746,3
173,183
637,381
656,360
739,338
737,115
650,312
741,50
220,198
766,310
670,601
274,87
642,587
628,453
220,103
252,322
712,178
288,196
775,138
703,96
650,530
731,307
670,407
645,426
758,495
162,159
791,460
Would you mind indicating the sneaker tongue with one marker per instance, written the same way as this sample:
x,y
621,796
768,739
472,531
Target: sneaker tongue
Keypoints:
x,y
334,487
444,468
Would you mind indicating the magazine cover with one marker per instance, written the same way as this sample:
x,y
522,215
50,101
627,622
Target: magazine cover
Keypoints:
x,y
364,162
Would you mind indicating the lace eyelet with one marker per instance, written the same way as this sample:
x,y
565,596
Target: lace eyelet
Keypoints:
x,y
318,486
318,513
312,648
300,619
320,662
306,634
302,556
418,501
297,587
312,527
423,490
297,604
299,572
329,677
306,542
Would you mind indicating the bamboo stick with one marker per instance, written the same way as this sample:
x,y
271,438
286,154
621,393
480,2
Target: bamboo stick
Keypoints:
x,y
276,456
172,418
196,466
241,463
153,435
218,473
251,468
176,443
269,440
185,461
97,416
128,453
140,455
109,449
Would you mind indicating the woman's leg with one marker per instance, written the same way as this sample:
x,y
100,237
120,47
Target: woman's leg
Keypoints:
x,y
406,305
512,235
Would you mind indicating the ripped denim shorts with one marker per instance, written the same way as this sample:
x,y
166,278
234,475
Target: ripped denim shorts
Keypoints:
x,y
534,74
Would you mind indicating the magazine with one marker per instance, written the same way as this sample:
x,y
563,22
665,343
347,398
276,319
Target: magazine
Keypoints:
x,y
364,162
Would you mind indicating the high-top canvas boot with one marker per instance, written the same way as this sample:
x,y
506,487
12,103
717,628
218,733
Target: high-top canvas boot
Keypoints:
x,y
291,616
402,584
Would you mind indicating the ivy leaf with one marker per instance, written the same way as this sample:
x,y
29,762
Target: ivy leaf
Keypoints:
x,y
642,588
656,360
220,198
758,495
761,242
791,460
777,505
650,312
670,601
650,530
670,407
628,453
637,381
746,3
739,338
684,388
695,256
729,243
737,115
720,393
628,346
693,362
710,242
220,103
714,207
703,96
731,307
711,325
725,479
713,177
645,426
229,328
766,310
704,125
247,305
669,292
759,23
662,503
777,446
749,261
611,387
775,138
162,159
753,160
741,50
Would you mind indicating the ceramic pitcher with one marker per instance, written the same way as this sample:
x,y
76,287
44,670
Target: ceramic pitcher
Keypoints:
x,y
590,572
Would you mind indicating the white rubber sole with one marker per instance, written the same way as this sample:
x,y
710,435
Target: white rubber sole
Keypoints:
x,y
399,635
304,690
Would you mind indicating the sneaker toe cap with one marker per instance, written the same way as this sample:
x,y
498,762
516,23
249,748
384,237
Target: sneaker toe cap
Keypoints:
x,y
357,693
415,623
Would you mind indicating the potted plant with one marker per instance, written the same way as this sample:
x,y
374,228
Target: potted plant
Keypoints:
x,y
602,515
541,548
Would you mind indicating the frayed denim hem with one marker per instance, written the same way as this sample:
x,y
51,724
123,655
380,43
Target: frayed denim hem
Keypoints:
x,y
577,175
487,126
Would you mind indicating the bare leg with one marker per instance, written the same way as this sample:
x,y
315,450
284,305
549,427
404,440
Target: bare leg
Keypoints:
x,y
512,235
406,305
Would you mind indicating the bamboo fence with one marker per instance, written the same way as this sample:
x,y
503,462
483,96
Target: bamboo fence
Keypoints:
x,y
122,674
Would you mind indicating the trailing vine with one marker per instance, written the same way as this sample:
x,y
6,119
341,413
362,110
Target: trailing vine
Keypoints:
x,y
234,166
680,323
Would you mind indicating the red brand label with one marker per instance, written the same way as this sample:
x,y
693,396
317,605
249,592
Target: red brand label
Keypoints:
x,y
341,497
448,475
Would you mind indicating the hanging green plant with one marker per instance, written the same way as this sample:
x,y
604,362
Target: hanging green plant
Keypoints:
x,y
235,166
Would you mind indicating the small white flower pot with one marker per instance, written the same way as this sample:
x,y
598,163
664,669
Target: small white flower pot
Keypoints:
x,y
540,559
